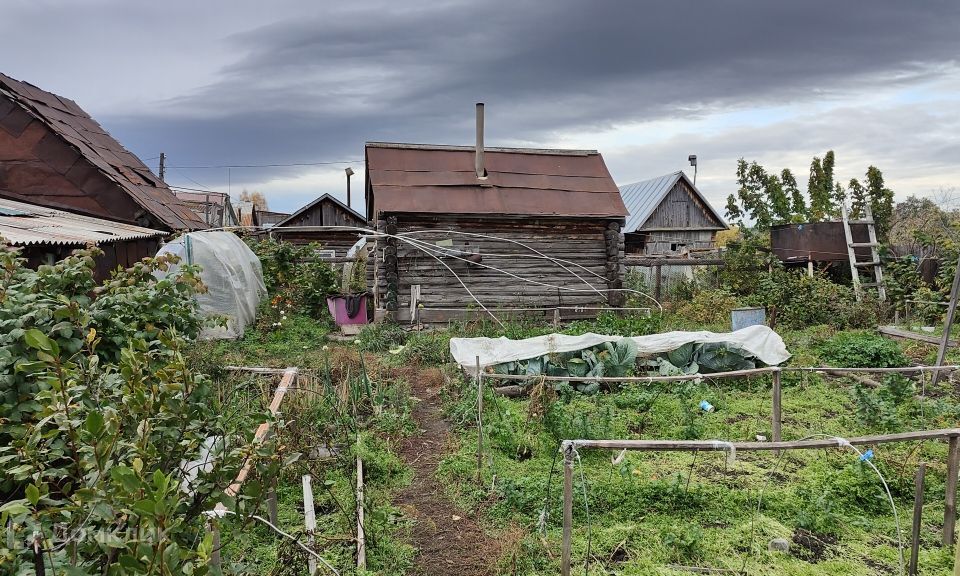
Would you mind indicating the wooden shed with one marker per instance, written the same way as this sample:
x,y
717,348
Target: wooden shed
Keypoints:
x,y
469,223
215,208
668,216
45,235
324,211
53,154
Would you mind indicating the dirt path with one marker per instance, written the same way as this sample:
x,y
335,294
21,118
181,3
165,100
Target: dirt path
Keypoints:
x,y
449,541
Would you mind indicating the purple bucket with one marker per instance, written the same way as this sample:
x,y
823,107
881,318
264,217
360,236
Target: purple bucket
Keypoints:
x,y
340,310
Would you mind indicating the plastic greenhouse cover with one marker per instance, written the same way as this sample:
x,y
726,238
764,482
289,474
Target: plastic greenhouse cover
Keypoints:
x,y
232,274
760,341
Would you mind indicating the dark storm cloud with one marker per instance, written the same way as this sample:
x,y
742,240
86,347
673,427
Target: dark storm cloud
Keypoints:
x,y
316,88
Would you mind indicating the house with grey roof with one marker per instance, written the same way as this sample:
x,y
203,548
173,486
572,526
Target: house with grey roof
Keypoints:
x,y
668,216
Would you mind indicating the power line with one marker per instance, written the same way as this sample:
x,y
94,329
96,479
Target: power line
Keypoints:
x,y
208,191
221,166
191,179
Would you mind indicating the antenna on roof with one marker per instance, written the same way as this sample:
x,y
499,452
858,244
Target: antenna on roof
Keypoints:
x,y
481,169
693,162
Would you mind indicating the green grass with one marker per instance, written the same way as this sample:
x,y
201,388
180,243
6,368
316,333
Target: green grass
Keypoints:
x,y
656,509
651,509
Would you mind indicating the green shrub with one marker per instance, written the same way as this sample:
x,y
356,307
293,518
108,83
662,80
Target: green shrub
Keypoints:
x,y
292,273
101,409
797,301
862,350
707,307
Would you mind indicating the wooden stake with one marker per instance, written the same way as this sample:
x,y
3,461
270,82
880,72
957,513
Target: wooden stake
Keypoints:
x,y
215,553
777,419
951,312
272,502
917,516
950,500
567,510
361,537
479,423
309,521
659,281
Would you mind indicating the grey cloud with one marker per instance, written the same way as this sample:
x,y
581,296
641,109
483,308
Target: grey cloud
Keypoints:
x,y
316,87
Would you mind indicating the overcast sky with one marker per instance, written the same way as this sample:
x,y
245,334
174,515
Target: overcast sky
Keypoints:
x,y
228,82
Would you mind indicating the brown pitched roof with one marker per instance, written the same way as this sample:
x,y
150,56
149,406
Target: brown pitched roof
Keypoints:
x,y
65,118
442,179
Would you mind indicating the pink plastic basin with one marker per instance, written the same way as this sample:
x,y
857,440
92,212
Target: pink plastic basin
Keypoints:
x,y
338,309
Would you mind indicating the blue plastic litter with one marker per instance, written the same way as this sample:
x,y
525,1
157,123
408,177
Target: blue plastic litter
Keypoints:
x,y
706,406
868,455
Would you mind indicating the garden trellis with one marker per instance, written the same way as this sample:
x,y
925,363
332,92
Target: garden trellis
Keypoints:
x,y
777,444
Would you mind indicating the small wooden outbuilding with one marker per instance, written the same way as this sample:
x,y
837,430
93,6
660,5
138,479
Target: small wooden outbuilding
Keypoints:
x,y
468,223
668,216
324,211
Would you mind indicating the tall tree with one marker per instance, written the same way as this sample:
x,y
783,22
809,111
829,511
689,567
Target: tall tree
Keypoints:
x,y
798,207
768,200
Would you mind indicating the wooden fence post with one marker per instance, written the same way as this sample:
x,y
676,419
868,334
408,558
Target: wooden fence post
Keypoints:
x,y
215,553
950,500
917,516
309,521
479,423
777,418
567,509
951,313
361,536
657,282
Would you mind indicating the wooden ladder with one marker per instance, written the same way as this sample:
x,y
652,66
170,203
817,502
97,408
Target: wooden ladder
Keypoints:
x,y
874,263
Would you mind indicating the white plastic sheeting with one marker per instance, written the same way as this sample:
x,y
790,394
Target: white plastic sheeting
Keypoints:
x,y
759,341
232,274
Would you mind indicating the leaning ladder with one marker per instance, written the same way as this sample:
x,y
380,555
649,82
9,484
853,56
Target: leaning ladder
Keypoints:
x,y
874,263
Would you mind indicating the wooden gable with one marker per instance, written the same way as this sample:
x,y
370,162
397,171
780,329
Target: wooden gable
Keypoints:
x,y
682,209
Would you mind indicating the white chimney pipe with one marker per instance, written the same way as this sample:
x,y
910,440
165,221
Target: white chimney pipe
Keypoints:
x,y
481,169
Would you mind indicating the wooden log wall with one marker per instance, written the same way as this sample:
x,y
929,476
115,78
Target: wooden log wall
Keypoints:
x,y
595,246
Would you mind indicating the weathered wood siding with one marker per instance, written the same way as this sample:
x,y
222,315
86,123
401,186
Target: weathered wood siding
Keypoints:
x,y
670,241
681,210
325,213
594,248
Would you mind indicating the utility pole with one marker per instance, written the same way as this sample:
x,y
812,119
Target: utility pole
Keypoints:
x,y
163,161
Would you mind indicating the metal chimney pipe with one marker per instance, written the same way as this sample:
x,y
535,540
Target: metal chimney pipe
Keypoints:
x,y
481,169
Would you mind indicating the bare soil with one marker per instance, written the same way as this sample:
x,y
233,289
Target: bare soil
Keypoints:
x,y
449,541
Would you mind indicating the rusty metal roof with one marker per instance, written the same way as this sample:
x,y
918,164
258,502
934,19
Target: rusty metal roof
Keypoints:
x,y
442,179
23,224
66,119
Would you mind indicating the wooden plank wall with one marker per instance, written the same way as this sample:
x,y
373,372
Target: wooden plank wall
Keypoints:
x,y
681,209
582,241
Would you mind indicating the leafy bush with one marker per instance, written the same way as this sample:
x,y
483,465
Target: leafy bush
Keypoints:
x,y
797,301
607,359
862,350
104,416
291,272
707,307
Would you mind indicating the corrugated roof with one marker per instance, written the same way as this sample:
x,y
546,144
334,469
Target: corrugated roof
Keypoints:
x,y
442,179
23,224
66,119
642,198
